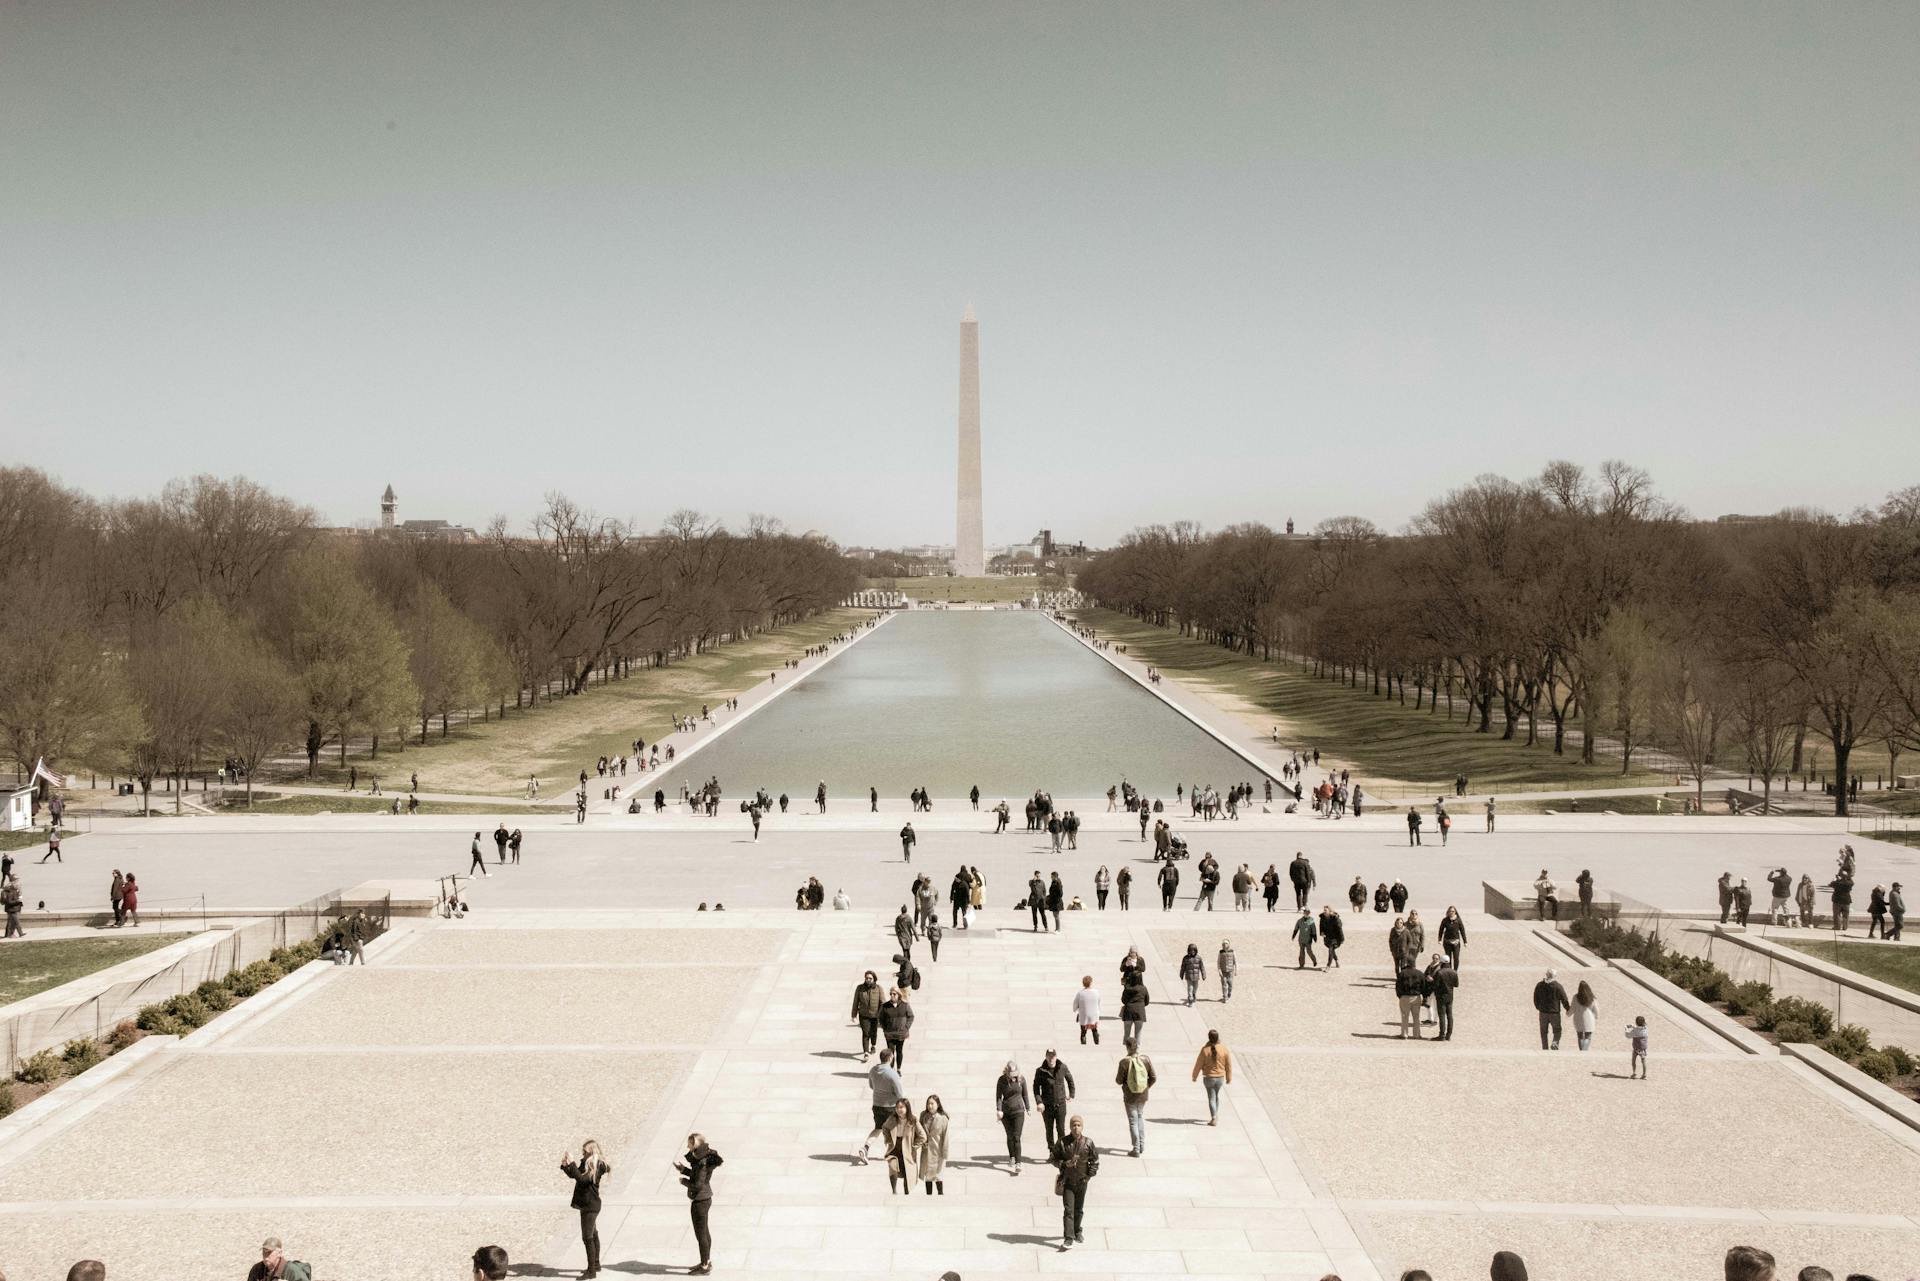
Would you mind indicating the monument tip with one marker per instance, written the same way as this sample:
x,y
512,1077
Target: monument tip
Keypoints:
x,y
967,317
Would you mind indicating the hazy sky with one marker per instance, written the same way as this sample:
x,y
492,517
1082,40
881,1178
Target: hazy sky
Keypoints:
x,y
1231,261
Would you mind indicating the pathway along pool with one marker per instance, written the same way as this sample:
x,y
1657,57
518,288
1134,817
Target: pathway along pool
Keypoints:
x,y
947,700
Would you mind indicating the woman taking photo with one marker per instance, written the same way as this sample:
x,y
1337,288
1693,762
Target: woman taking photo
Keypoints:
x,y
586,1174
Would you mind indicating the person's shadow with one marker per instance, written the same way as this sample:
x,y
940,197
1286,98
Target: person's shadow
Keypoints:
x,y
1613,1076
1022,1238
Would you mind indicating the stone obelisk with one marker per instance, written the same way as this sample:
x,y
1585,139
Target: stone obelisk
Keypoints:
x,y
969,547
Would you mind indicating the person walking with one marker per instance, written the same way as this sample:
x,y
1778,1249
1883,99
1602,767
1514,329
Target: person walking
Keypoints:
x,y
479,863
1724,888
973,795
1243,890
1037,901
1192,970
586,1174
883,1080
1213,1068
903,930
1226,966
1897,908
1270,886
53,846
1408,990
1133,1006
1397,894
960,896
1413,826
1357,894
116,897
933,1145
1300,872
1011,1103
1209,882
1169,882
867,999
1102,881
902,1139
873,800
1586,1010
1123,885
129,898
1453,936
1305,934
1086,1009
907,839
513,846
1549,999
933,933
1440,986
696,1173
1078,1161
896,1024
1053,1090
1135,1077
500,839
1333,932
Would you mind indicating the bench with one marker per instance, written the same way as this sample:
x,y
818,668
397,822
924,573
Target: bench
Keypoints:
x,y
1515,901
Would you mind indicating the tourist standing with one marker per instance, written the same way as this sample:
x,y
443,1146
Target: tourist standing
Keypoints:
x,y
513,846
1305,933
1135,1077
1544,898
1270,886
129,898
1413,826
1056,899
1408,991
1333,932
1226,965
1584,883
979,895
1637,1042
1169,882
1213,1068
1897,907
1078,1161
1192,970
1549,999
1782,882
933,935
907,839
960,896
1133,1005
1086,1009
1490,813
867,999
1053,1090
1300,872
1102,881
1803,897
116,896
933,1145
1243,890
1724,889
1357,894
886,1087
1442,984
1037,901
1011,1103
1124,884
696,1172
586,1174
820,796
11,901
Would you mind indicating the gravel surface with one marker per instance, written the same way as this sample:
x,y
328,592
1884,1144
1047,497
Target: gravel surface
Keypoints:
x,y
1419,1125
587,946
360,1244
672,1005
348,1124
1459,1247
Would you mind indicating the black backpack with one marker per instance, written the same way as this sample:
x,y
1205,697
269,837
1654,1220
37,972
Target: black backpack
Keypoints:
x,y
913,980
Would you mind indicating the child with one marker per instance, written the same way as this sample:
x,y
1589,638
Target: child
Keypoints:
x,y
1637,1036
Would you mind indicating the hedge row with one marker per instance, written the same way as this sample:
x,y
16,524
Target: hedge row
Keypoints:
x,y
1788,1018
175,1016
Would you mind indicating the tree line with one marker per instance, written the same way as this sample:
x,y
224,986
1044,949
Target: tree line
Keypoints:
x,y
1577,604
218,621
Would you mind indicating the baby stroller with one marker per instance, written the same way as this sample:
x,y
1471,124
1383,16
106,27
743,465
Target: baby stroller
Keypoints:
x,y
1176,847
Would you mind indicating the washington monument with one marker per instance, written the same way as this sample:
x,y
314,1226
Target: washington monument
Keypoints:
x,y
969,548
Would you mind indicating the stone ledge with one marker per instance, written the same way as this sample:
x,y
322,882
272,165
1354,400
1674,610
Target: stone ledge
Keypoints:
x,y
1858,1083
1515,901
1824,969
1687,1003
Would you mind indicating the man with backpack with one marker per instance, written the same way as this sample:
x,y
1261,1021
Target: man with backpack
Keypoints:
x,y
1135,1077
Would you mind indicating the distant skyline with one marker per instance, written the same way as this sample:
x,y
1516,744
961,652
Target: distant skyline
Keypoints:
x,y
1231,262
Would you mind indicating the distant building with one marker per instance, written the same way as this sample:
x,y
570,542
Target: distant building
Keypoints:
x,y
389,504
392,526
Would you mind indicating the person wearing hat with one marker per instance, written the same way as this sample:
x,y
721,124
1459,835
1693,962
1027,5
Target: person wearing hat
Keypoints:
x,y
1549,1000
1053,1090
1897,908
274,1265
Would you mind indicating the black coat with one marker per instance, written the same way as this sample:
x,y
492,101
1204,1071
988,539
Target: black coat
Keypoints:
x,y
1053,1086
699,1176
586,1182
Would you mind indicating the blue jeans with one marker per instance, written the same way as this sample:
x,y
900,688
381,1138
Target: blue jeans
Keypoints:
x,y
1213,1084
1193,990
1137,1125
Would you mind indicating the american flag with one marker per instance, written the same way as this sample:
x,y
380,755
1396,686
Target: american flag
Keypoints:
x,y
40,770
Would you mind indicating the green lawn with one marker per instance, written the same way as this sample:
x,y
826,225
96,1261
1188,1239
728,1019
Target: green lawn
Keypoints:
x,y
1632,803
1899,966
33,837
557,739
33,966
1385,741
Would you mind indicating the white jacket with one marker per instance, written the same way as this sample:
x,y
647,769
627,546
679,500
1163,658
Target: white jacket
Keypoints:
x,y
1086,1006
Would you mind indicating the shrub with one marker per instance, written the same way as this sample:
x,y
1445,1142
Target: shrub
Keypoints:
x,y
1903,1063
1848,1042
1749,998
158,1020
283,957
1798,1009
79,1054
1708,983
1877,1064
1791,1032
214,996
41,1069
6,1098
189,1009
124,1034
